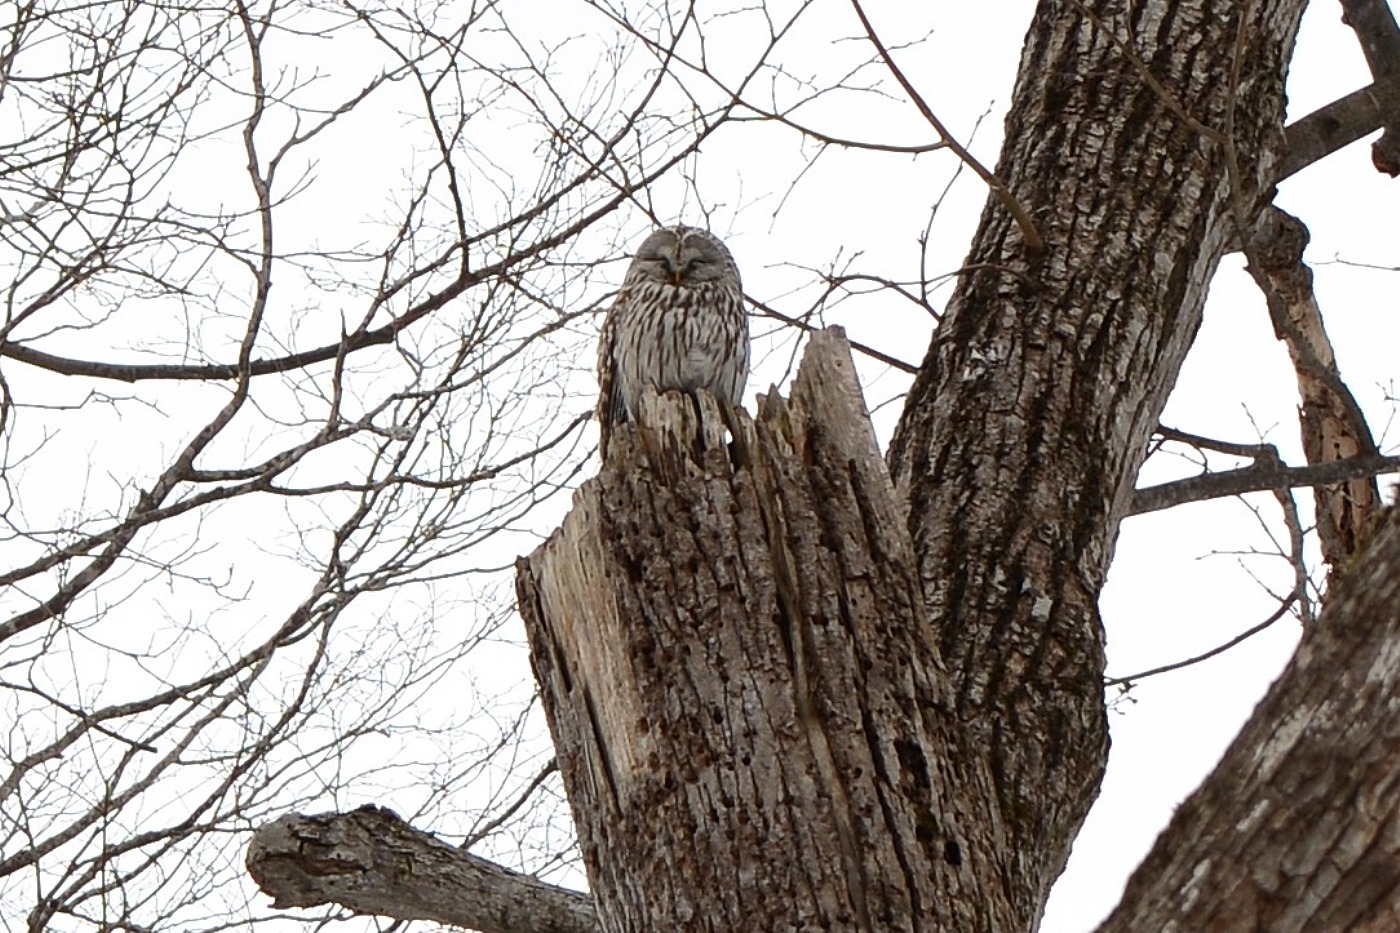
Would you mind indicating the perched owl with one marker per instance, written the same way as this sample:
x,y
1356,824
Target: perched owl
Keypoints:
x,y
677,323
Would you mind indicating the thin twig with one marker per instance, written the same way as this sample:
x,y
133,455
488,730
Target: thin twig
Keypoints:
x,y
1278,614
1034,242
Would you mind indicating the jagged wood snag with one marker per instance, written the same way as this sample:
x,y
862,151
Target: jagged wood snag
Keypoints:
x,y
736,666
1332,424
371,862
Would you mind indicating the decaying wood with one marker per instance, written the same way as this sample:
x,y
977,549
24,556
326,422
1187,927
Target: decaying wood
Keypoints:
x,y
372,862
1333,426
782,695
1299,827
736,667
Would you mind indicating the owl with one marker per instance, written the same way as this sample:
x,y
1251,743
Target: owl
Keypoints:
x,y
678,323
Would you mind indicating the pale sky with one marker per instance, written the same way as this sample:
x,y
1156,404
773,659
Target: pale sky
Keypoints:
x,y
1182,582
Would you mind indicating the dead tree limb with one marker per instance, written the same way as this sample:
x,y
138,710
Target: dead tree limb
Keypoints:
x,y
1332,424
371,862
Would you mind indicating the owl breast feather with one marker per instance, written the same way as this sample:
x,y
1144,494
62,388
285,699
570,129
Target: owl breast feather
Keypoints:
x,y
692,337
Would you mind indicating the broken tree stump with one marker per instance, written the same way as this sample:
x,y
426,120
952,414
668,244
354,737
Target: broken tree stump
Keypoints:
x,y
739,675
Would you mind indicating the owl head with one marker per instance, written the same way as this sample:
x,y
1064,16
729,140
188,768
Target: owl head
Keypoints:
x,y
685,257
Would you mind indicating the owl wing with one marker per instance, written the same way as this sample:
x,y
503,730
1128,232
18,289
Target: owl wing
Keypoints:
x,y
611,408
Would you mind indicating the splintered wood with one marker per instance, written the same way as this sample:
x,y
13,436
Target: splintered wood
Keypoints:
x,y
737,668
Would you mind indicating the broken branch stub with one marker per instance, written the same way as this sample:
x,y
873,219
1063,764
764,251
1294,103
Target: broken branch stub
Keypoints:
x,y
371,862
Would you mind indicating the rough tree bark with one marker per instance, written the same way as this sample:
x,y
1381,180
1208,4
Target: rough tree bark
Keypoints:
x,y
1299,827
735,663
1030,416
372,862
793,690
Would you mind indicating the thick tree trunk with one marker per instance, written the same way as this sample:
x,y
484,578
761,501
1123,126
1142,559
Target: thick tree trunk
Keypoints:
x,y
1135,135
1024,431
737,672
785,694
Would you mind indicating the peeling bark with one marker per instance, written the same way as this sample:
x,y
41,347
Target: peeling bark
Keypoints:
x,y
1331,422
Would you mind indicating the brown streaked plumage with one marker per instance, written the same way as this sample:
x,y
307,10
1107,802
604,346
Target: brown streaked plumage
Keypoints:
x,y
677,323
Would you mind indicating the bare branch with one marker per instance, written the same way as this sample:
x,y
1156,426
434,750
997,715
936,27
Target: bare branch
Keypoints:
x,y
1375,28
1034,242
1317,135
1262,476
878,356
1130,679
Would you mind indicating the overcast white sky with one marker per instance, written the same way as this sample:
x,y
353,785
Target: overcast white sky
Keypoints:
x,y
1182,581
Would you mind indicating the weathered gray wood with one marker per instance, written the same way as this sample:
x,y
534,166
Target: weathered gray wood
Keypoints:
x,y
1332,424
736,668
372,862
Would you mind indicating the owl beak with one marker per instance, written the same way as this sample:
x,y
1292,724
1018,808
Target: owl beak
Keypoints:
x,y
676,268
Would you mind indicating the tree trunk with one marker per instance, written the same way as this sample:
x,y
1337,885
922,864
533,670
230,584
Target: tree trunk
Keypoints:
x,y
1016,457
737,672
791,692
1141,139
